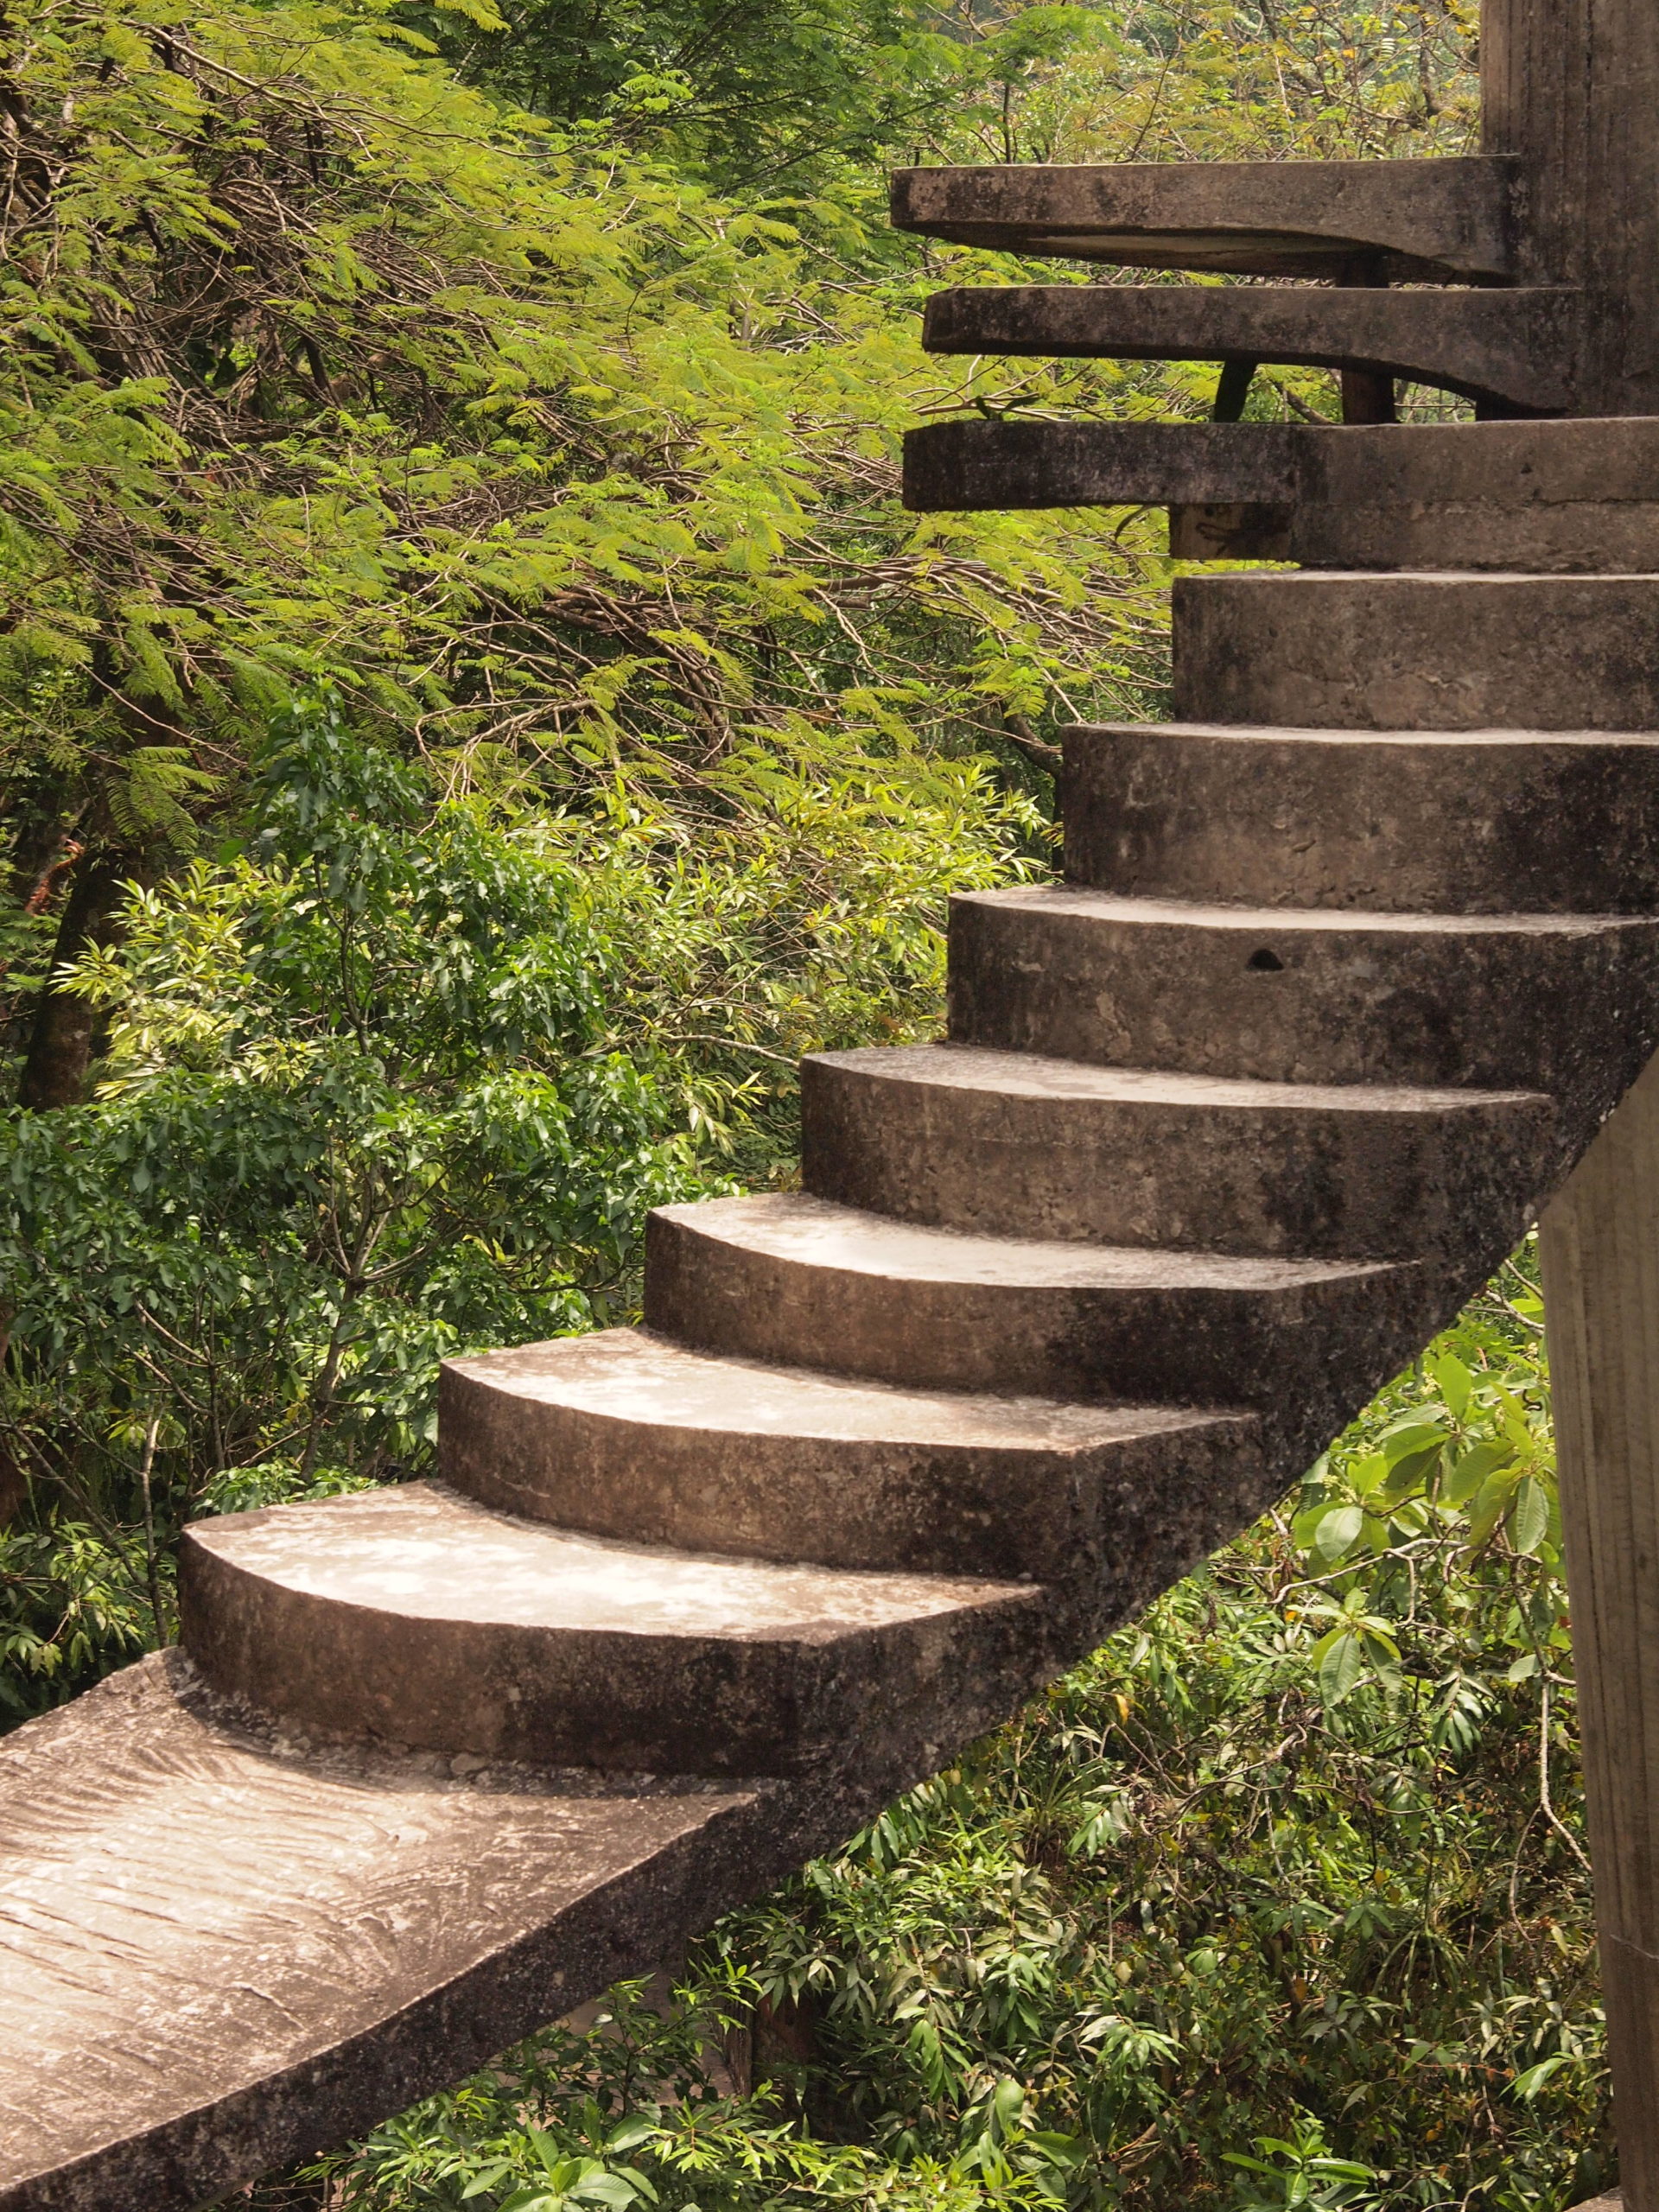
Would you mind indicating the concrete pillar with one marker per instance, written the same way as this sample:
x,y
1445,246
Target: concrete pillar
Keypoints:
x,y
1572,88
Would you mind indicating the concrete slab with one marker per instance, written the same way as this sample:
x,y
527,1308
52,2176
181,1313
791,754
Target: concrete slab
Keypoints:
x,y
1014,1144
223,1947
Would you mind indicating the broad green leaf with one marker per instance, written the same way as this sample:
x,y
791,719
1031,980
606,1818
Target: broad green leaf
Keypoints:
x,y
1491,1503
1470,1470
1338,1527
1340,1659
1529,1521
1454,1382
1527,2084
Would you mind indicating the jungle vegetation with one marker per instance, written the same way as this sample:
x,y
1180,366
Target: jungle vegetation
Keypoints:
x,y
472,711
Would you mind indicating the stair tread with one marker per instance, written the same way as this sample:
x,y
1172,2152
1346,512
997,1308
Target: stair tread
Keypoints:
x,y
197,1913
1508,343
1031,1075
1286,733
424,1552
824,1233
1283,218
632,1374
1250,919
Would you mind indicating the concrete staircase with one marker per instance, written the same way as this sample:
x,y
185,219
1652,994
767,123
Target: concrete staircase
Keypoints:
x,y
1349,962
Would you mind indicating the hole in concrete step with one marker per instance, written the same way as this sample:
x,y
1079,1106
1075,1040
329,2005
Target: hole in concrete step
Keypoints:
x,y
1266,962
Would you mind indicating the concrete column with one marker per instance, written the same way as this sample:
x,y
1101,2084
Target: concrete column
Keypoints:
x,y
1601,1292
1572,88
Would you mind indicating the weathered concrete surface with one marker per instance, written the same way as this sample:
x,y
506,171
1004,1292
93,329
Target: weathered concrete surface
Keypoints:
x,y
1293,1338
423,1619
1010,1144
1514,347
221,1948
1419,220
1476,822
1333,651
1300,995
1578,498
1339,651
788,1276
964,463
641,1432
1569,89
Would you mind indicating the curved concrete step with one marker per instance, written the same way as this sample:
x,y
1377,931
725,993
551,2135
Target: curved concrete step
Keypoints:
x,y
1292,995
1395,820
1328,649
1010,1144
1447,218
423,1619
630,1431
222,1951
791,1277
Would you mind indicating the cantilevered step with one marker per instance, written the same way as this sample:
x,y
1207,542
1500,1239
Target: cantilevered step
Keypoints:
x,y
1560,497
628,1429
1292,995
787,1277
1513,347
1403,820
1423,219
222,1952
1011,1144
421,1618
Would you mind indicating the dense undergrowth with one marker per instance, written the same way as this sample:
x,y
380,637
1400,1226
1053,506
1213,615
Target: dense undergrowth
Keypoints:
x,y
473,710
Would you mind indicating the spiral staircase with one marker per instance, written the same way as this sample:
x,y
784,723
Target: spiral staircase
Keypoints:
x,y
1352,960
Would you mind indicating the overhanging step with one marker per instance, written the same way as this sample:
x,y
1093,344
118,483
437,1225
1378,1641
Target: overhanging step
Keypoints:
x,y
787,1277
1010,1144
1517,348
683,1445
418,1616
1449,219
1559,496
1292,995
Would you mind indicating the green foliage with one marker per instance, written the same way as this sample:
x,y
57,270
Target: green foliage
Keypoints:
x,y
1220,1921
322,368
399,1076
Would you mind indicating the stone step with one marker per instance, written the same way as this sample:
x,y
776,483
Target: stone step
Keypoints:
x,y
629,1430
1330,649
1477,822
1292,995
420,1618
1419,220
1511,347
1433,496
790,1277
1010,1144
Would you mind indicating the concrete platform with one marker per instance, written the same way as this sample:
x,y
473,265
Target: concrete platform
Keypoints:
x,y
631,1430
223,1948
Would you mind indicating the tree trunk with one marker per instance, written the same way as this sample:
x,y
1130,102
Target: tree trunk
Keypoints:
x,y
61,1042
